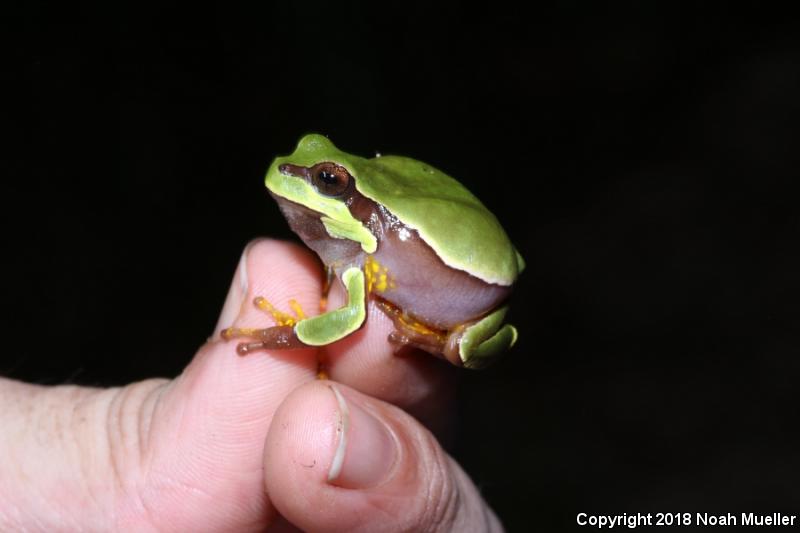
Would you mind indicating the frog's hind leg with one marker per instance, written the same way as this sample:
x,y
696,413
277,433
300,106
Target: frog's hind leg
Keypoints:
x,y
473,344
279,337
410,332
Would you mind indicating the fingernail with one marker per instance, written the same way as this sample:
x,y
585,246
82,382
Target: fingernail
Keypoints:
x,y
365,450
236,295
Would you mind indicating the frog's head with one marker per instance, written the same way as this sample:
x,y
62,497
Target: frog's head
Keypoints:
x,y
316,184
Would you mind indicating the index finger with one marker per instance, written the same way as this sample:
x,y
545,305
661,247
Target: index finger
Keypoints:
x,y
364,360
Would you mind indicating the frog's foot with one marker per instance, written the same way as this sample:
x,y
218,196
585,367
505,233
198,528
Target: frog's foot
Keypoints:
x,y
279,337
477,344
274,338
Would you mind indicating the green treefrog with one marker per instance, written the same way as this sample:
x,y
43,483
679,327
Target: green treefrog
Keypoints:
x,y
403,234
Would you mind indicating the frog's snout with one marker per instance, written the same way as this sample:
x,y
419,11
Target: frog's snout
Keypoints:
x,y
297,171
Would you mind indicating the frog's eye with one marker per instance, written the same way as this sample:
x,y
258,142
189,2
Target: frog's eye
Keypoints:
x,y
330,179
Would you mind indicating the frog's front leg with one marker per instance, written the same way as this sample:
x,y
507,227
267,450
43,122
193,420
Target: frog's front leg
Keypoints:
x,y
301,332
327,283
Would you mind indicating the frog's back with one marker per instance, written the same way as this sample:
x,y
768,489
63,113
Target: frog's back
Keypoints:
x,y
460,229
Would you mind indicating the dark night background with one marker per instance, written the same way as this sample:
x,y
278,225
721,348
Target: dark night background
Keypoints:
x,y
640,157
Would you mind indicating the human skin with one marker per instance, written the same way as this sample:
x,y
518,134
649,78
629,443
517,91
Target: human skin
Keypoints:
x,y
244,443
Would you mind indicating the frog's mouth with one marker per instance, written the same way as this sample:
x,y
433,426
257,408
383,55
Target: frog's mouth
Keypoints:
x,y
296,186
331,210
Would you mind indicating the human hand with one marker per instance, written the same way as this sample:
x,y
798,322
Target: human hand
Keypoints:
x,y
244,443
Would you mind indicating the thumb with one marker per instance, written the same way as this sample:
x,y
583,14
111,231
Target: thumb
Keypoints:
x,y
337,460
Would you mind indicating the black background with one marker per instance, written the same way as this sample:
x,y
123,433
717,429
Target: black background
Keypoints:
x,y
640,157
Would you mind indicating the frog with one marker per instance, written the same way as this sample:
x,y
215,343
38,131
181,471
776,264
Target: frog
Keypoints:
x,y
400,233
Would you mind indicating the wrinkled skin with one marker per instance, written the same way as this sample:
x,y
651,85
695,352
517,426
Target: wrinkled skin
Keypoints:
x,y
243,443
